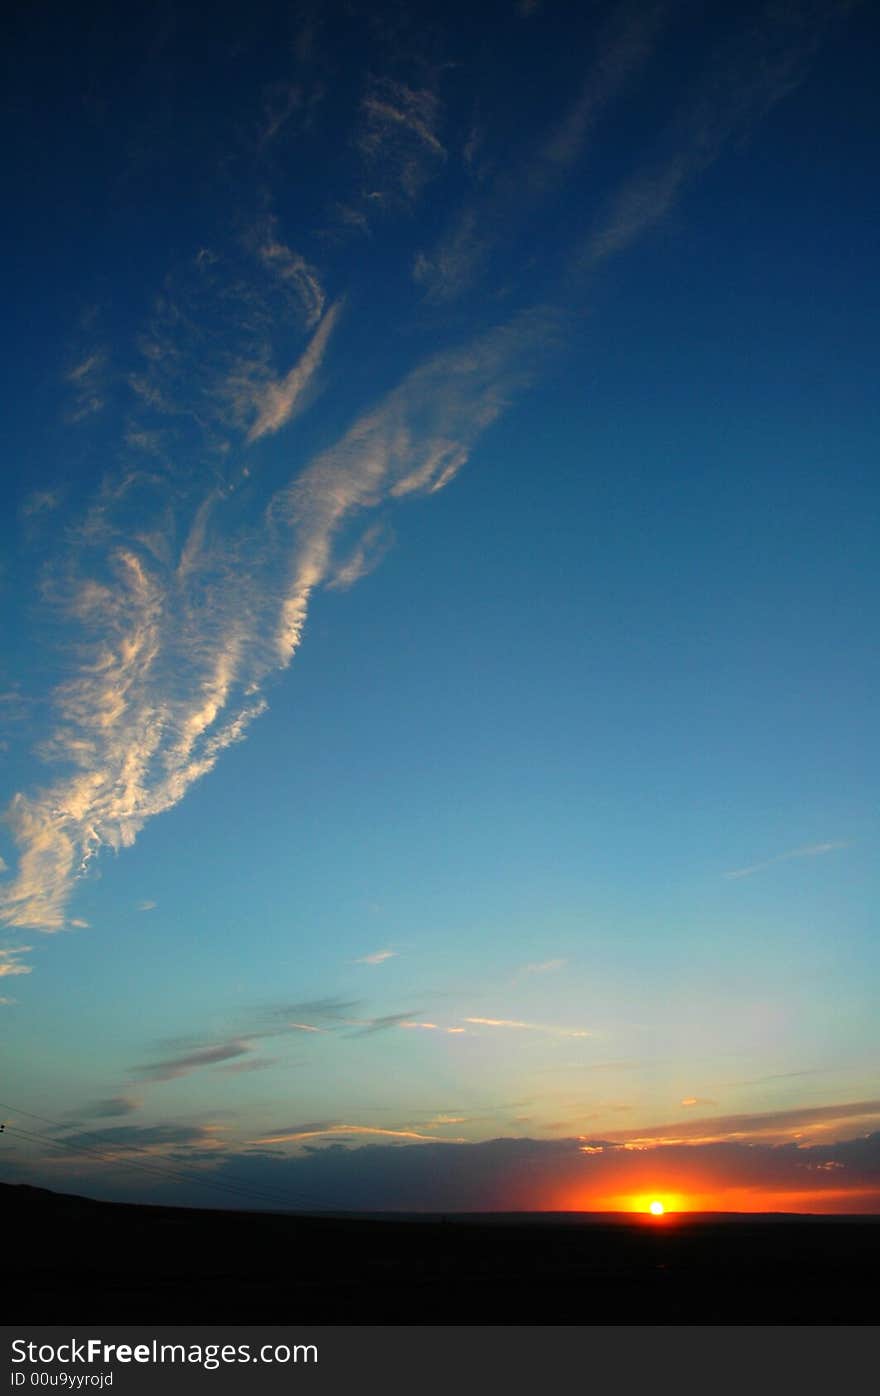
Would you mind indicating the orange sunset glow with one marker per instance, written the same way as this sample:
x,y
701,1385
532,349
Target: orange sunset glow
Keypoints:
x,y
667,1202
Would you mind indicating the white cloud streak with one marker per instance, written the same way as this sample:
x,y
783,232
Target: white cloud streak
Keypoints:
x,y
813,850
515,1023
10,962
431,1027
319,1131
88,383
294,270
399,139
279,402
415,441
363,559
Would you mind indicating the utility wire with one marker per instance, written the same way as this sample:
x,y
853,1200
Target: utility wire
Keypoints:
x,y
164,1173
233,1185
245,1192
133,1148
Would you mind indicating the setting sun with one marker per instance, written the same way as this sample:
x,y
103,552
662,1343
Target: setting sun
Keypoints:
x,y
657,1209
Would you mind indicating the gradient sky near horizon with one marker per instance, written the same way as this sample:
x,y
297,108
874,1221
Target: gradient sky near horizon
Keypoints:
x,y
440,601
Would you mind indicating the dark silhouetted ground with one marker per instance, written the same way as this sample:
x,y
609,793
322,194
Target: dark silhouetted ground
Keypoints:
x,y
77,1261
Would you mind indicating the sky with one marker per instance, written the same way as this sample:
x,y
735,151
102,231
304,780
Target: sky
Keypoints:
x,y
439,597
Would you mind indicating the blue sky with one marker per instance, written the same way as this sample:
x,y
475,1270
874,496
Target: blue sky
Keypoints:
x,y
440,593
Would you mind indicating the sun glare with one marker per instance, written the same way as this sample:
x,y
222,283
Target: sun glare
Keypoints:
x,y
656,1209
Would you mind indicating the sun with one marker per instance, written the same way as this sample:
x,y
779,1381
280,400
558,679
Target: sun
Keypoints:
x,y
656,1209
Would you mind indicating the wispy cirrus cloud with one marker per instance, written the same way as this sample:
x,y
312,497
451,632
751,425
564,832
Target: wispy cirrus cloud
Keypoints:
x,y
377,957
778,1076
431,1027
40,502
184,589
316,1131
366,555
798,1123
399,140
369,1026
516,1024
415,441
118,1140
280,101
496,215
338,1019
279,402
293,271
178,639
302,1014
232,1054
813,850
10,961
244,1068
171,1068
544,967
752,70
87,380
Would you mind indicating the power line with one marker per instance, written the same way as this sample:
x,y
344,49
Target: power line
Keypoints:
x,y
133,1148
239,1190
246,1192
233,1184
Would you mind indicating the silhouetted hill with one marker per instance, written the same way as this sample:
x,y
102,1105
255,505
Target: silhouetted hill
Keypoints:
x,y
78,1260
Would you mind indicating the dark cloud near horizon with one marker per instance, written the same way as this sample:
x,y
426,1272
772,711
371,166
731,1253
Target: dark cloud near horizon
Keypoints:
x,y
530,1174
506,1174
